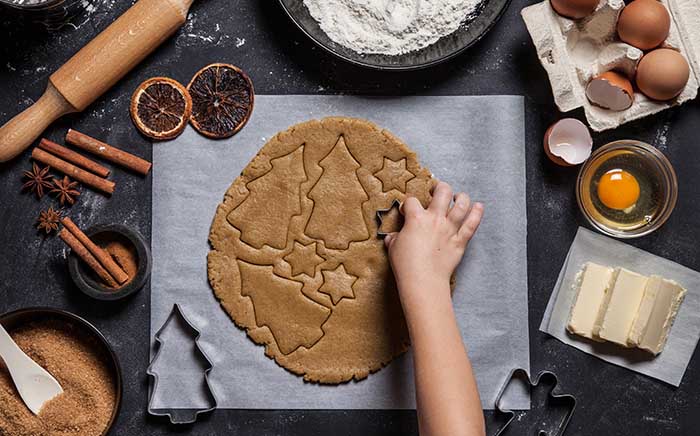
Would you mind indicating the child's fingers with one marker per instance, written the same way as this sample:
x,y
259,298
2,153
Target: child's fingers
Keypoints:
x,y
411,207
442,197
471,224
459,210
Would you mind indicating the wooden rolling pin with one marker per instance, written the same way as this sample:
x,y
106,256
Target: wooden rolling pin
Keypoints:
x,y
95,69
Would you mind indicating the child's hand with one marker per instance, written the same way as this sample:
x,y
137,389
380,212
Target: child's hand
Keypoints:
x,y
425,253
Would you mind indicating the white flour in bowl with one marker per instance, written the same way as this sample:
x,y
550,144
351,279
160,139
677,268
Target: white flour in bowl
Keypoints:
x,y
390,27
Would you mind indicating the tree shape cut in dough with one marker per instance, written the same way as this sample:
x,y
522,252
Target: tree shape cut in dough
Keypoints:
x,y
293,324
337,284
303,259
263,217
394,175
338,196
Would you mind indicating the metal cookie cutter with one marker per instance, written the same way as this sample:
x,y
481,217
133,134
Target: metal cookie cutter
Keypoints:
x,y
567,399
381,213
180,416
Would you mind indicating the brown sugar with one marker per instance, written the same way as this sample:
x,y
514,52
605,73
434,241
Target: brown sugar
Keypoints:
x,y
87,403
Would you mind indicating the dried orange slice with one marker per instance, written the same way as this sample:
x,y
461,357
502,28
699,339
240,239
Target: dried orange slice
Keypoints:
x,y
160,108
222,100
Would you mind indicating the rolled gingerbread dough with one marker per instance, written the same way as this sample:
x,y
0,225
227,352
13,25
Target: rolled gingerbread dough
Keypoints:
x,y
295,258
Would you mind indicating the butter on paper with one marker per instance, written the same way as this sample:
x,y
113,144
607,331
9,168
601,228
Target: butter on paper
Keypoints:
x,y
671,364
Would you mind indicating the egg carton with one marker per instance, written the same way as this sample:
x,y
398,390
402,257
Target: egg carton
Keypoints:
x,y
575,51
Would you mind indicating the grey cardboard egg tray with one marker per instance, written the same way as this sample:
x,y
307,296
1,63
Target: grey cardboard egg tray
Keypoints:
x,y
575,51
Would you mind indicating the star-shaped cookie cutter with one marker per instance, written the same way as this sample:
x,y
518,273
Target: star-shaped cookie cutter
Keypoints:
x,y
180,416
569,399
380,216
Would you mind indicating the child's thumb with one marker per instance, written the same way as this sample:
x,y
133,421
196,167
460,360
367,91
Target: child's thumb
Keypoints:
x,y
388,240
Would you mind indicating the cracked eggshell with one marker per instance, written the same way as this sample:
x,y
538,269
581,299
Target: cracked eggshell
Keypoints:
x,y
611,90
568,142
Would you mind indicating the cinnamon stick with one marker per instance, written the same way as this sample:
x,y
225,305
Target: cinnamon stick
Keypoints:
x,y
101,255
69,169
88,258
108,152
73,157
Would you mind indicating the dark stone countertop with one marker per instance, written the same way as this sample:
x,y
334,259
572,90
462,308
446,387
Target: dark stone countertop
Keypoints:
x,y
257,36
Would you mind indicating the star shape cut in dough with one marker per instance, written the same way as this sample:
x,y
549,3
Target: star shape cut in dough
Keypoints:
x,y
389,220
394,175
337,284
304,259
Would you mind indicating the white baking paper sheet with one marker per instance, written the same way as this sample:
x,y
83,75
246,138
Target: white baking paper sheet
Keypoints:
x,y
474,143
670,365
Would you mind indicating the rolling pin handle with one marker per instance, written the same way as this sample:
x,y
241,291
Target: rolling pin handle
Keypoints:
x,y
19,133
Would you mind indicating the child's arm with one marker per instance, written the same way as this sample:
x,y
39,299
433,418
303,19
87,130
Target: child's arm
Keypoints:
x,y
423,255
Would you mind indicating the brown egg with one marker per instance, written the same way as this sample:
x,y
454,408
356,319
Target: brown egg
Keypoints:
x,y
574,8
662,74
644,24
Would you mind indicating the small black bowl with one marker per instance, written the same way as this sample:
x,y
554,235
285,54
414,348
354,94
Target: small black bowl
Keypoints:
x,y
21,317
85,279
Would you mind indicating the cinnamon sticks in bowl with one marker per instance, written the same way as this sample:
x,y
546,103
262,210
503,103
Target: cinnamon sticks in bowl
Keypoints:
x,y
95,257
127,248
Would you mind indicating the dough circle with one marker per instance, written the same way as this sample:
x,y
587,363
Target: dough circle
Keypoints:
x,y
296,260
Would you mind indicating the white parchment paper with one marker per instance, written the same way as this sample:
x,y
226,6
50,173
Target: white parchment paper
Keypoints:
x,y
474,143
670,365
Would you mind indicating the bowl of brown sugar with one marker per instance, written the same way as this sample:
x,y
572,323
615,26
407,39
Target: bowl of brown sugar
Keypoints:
x,y
83,362
127,248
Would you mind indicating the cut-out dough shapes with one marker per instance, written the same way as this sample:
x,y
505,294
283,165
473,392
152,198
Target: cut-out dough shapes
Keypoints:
x,y
390,220
294,324
263,217
338,284
303,259
338,196
394,175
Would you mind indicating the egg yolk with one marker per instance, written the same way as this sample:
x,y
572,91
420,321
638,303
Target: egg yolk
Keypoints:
x,y
618,189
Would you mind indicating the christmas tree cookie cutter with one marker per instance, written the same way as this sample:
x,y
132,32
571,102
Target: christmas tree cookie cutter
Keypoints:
x,y
180,416
568,400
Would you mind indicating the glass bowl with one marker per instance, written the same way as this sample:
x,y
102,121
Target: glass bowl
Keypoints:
x,y
659,176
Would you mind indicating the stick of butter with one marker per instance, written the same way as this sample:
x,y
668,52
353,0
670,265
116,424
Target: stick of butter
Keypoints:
x,y
624,302
594,284
657,312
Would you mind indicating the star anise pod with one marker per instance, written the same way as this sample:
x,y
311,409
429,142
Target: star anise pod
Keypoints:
x,y
65,190
37,180
48,220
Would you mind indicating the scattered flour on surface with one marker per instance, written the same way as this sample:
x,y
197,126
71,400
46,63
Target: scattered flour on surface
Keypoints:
x,y
661,139
390,27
